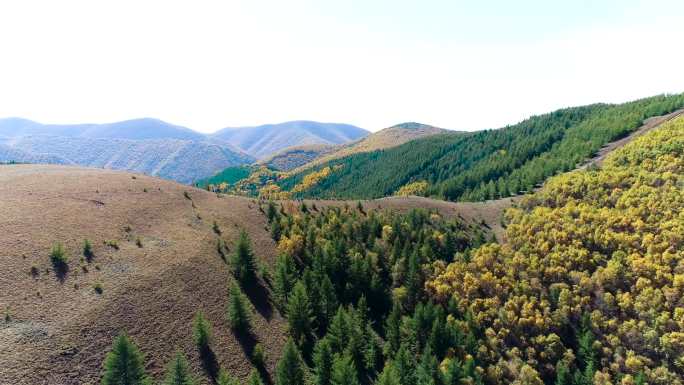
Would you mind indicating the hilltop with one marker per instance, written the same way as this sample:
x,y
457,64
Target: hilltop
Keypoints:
x,y
265,140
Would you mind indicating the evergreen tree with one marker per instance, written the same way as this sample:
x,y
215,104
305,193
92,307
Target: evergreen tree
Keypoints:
x,y
201,331
344,372
454,373
243,261
406,366
271,212
226,379
255,379
178,372
389,376
428,371
238,310
299,314
289,370
563,376
323,362
392,329
284,280
124,365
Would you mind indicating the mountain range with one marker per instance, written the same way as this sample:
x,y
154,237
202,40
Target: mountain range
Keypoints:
x,y
158,148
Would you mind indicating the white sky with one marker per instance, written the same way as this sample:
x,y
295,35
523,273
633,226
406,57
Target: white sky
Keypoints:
x,y
374,63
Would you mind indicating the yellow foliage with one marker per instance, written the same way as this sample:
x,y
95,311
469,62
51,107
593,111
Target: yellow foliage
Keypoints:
x,y
413,188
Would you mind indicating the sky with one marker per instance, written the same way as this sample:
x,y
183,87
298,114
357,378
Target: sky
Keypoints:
x,y
206,65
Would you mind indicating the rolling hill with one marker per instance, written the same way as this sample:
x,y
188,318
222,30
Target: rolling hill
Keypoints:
x,y
386,138
263,141
480,165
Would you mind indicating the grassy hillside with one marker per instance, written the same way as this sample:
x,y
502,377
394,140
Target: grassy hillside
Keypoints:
x,y
483,165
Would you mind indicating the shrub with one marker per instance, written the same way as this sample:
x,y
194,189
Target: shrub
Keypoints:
x,y
58,256
201,331
216,228
138,242
34,271
8,316
112,243
98,288
87,250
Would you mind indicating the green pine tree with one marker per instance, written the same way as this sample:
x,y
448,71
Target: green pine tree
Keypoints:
x,y
323,362
226,379
243,260
238,310
178,372
428,371
344,371
454,373
201,331
124,365
289,370
255,378
299,314
563,376
284,280
389,376
406,365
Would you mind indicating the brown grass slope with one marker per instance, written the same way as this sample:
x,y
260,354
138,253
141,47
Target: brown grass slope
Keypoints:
x,y
385,138
60,328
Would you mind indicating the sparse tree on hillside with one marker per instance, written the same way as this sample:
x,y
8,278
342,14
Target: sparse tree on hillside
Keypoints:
x,y
289,370
178,372
226,379
255,379
243,261
299,314
124,364
201,331
238,310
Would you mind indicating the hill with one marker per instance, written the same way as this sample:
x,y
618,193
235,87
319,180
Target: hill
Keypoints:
x,y
135,129
268,139
294,157
385,138
180,160
61,327
481,165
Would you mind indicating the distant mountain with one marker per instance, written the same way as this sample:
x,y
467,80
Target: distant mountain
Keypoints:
x,y
386,138
180,160
135,129
268,139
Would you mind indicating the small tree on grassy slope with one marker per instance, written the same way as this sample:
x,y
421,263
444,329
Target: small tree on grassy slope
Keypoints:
x,y
238,310
289,370
178,372
124,364
242,261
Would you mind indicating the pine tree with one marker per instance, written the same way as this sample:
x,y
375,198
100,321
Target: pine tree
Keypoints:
x,y
201,331
243,261
454,373
428,371
389,376
323,362
226,379
271,212
392,329
562,374
238,310
344,371
289,370
406,365
124,364
299,314
178,372
255,378
284,280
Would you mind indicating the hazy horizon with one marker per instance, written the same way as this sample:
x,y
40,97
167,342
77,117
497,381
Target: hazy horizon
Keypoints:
x,y
210,65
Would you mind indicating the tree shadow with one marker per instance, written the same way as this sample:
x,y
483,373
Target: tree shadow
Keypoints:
x,y
61,270
248,341
260,297
209,362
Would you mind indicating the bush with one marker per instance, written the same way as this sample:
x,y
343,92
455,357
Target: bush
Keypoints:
x,y
259,356
87,250
98,288
216,228
112,243
138,242
58,256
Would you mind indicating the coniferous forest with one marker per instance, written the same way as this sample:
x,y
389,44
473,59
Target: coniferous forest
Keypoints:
x,y
483,165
